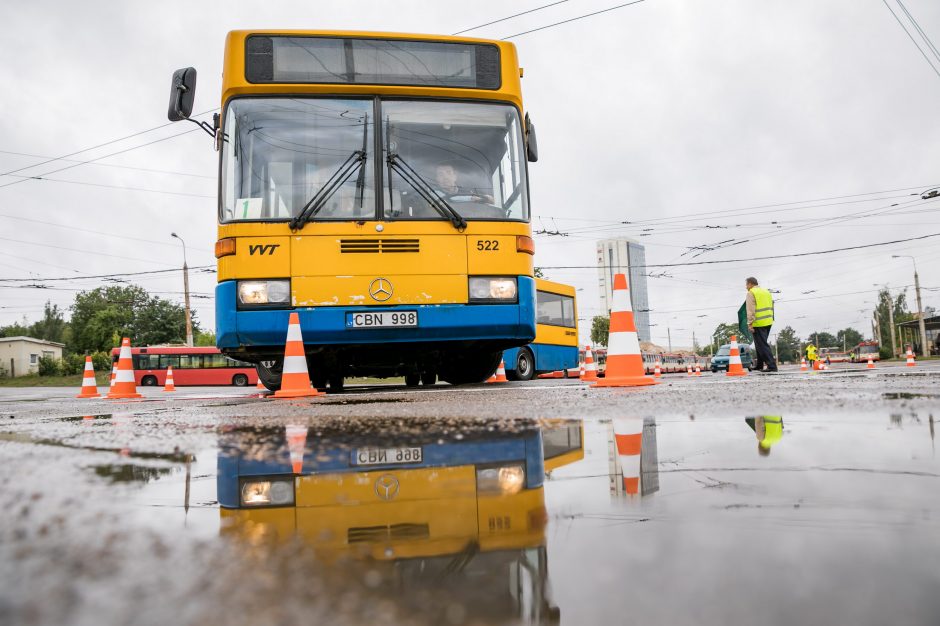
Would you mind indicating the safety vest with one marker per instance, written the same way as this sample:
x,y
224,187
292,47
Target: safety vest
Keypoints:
x,y
764,307
811,352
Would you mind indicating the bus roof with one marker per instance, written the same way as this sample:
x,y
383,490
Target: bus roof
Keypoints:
x,y
552,287
236,69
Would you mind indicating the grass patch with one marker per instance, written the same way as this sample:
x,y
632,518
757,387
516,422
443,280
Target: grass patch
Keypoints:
x,y
35,380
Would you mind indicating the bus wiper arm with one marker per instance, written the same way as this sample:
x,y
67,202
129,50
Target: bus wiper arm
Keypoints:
x,y
337,180
425,190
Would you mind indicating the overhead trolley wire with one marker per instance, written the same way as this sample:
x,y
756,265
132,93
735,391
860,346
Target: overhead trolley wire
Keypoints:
x,y
202,268
932,47
914,41
573,19
509,17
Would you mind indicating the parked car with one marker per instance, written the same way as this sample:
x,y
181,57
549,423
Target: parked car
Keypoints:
x,y
720,360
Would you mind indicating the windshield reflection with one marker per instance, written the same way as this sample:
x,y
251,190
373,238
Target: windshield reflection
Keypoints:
x,y
462,511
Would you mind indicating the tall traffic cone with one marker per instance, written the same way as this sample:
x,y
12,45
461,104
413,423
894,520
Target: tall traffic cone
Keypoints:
x,y
910,358
500,375
688,370
590,369
89,384
581,372
296,442
113,374
657,370
628,438
624,360
124,385
295,380
734,360
169,386
871,363
698,369
803,367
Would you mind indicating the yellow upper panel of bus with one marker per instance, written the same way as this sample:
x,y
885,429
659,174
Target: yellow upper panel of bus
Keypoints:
x,y
235,81
552,287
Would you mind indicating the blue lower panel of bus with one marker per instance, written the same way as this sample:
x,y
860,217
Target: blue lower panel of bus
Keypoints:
x,y
330,460
328,325
548,357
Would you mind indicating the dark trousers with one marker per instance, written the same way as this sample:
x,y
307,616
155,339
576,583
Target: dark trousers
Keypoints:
x,y
764,354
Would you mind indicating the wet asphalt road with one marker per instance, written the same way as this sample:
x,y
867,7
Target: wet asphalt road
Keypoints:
x,y
794,498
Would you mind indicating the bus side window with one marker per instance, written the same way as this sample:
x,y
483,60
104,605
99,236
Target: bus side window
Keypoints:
x,y
169,359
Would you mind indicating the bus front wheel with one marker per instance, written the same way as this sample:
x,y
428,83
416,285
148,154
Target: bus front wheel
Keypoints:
x,y
149,381
240,380
269,373
472,368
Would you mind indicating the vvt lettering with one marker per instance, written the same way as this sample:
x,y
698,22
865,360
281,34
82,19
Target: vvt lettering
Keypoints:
x,y
263,248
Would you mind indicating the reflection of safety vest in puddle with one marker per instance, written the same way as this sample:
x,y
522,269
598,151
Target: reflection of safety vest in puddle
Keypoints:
x,y
769,430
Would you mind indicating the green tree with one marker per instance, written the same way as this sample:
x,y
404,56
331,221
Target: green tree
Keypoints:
x,y
824,340
788,345
102,316
15,329
721,336
204,339
600,330
52,325
848,337
898,305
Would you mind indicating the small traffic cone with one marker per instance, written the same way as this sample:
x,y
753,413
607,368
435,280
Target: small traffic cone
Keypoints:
x,y
803,367
871,364
169,386
657,370
500,375
296,442
734,360
624,359
628,437
688,370
698,370
910,358
124,386
89,384
590,369
260,386
295,380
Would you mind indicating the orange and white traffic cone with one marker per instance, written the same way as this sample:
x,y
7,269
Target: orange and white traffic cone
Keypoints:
x,y
113,374
581,372
657,370
910,358
124,386
628,438
871,364
89,384
803,367
590,368
169,386
624,359
734,360
698,369
688,370
295,380
296,442
260,386
500,375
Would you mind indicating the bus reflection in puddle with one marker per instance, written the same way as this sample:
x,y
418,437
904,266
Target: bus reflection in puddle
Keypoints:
x,y
459,517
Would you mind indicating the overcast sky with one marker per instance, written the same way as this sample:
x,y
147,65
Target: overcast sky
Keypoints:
x,y
659,111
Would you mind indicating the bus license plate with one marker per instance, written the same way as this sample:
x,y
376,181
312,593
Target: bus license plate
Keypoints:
x,y
384,319
387,456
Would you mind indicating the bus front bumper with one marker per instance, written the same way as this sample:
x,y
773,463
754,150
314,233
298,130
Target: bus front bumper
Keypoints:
x,y
267,328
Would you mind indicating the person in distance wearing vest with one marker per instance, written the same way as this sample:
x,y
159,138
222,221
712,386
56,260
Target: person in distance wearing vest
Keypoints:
x,y
760,317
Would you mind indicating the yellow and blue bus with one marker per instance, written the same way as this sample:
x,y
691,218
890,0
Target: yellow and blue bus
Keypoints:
x,y
418,499
376,184
556,334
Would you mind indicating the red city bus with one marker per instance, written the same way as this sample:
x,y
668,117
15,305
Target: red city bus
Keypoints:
x,y
864,350
191,366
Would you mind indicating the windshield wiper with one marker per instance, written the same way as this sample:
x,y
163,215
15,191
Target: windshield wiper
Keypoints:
x,y
425,190
353,162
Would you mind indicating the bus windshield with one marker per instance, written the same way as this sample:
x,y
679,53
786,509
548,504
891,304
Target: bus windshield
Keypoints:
x,y
282,153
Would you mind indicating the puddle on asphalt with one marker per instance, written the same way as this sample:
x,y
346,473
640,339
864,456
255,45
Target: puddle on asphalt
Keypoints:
x,y
572,521
903,395
84,418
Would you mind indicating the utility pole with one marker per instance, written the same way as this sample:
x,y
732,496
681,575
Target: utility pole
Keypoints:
x,y
669,335
894,341
189,319
920,310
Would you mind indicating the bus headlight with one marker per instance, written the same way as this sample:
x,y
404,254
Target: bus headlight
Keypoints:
x,y
506,480
492,288
259,292
274,492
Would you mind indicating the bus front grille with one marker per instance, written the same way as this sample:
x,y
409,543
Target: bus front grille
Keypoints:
x,y
376,246
394,532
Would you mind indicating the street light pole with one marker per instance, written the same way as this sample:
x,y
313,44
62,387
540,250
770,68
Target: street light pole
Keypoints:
x,y
189,319
920,309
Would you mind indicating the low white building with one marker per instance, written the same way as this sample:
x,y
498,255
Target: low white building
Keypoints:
x,y
20,356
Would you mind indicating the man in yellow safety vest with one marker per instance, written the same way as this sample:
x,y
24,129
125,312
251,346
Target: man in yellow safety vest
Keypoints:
x,y
760,317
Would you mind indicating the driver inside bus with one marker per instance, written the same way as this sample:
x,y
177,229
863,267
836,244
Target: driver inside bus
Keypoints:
x,y
445,184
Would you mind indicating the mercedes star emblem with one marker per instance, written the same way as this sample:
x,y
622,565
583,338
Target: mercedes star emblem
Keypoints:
x,y
380,289
386,487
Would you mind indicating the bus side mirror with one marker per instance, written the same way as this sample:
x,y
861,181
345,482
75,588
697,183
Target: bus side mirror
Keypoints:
x,y
532,143
182,94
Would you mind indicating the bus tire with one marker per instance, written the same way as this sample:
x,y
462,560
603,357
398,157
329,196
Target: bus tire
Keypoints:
x,y
412,379
472,368
525,365
428,379
240,380
149,381
336,383
269,373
